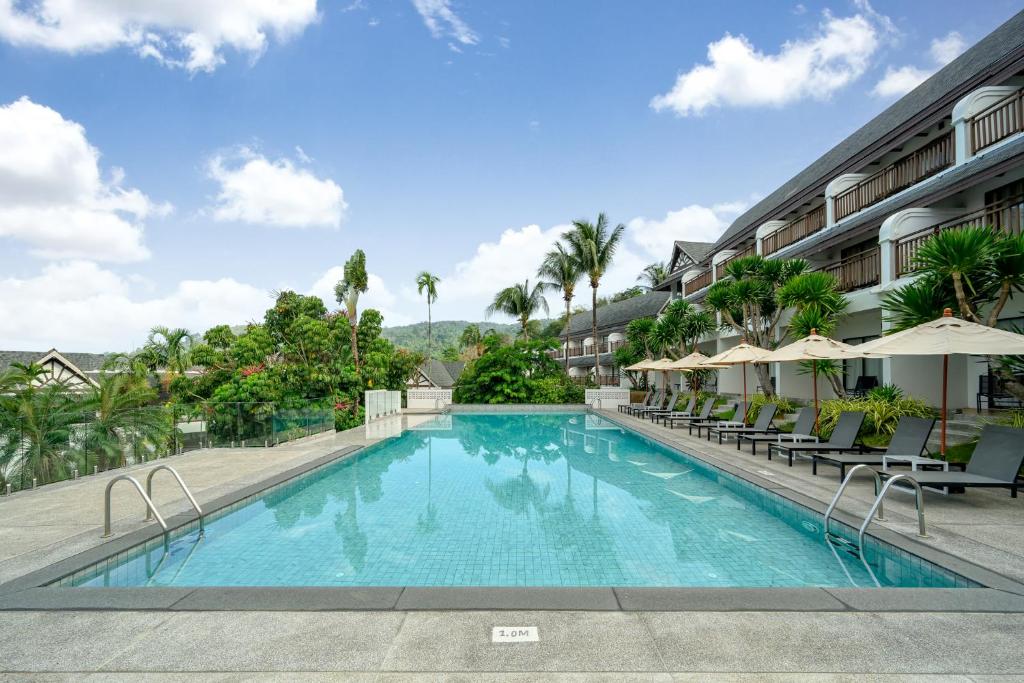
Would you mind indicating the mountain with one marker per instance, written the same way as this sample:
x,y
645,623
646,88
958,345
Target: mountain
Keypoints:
x,y
445,333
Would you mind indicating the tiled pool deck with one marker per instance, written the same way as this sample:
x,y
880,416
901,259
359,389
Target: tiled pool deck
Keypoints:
x,y
410,631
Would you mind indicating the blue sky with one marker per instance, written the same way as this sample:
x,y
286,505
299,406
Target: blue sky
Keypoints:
x,y
176,166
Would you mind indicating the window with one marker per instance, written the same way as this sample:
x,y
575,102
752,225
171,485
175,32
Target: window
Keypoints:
x,y
861,367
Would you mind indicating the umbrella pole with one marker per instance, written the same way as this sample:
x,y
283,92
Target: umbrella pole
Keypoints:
x,y
744,417
814,378
945,379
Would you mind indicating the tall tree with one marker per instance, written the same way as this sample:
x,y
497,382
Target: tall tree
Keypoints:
x,y
652,274
560,272
426,282
123,418
472,339
593,247
355,282
520,302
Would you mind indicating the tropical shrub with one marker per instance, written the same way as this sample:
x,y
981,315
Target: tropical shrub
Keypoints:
x,y
520,372
880,415
785,405
887,392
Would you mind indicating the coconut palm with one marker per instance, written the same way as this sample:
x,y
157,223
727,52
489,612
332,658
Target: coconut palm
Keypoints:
x,y
427,282
653,274
347,291
471,338
520,302
168,349
561,272
593,247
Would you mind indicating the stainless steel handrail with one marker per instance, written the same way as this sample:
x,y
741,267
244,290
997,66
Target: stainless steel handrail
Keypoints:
x,y
149,506
918,503
181,482
842,487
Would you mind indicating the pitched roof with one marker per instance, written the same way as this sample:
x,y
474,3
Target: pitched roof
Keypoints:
x,y
698,251
619,313
86,362
442,374
999,50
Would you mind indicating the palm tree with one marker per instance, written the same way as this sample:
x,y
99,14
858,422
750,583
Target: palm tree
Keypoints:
x,y
169,350
593,248
428,282
653,274
347,291
471,339
122,416
521,302
561,272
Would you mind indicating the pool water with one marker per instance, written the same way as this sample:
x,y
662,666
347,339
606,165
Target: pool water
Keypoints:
x,y
551,499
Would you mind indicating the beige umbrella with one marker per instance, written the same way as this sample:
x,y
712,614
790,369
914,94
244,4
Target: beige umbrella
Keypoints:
x,y
941,338
741,354
691,362
813,347
644,364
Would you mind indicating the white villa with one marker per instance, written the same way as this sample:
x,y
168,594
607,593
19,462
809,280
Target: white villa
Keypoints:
x,y
949,153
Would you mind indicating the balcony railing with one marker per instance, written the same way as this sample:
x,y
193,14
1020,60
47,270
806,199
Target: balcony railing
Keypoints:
x,y
1006,215
749,250
857,271
695,284
998,122
897,176
794,231
602,380
615,345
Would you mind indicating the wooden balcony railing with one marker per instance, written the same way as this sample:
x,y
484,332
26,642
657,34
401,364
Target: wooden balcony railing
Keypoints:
x,y
602,380
794,231
897,176
695,284
748,250
615,345
857,271
1006,215
998,122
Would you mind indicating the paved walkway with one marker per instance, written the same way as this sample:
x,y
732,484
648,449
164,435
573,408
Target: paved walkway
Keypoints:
x,y
39,527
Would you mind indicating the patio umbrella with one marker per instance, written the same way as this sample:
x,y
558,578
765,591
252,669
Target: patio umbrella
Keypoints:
x,y
943,337
813,347
741,354
691,362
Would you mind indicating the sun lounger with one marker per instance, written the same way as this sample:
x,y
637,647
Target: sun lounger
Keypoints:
x,y
843,438
994,464
647,399
802,429
658,396
657,404
656,415
673,397
763,425
910,438
714,421
705,411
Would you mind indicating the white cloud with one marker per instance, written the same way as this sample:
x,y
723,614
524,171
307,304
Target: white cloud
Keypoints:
x,y
79,306
899,81
254,189
739,75
53,196
944,50
442,20
694,223
190,34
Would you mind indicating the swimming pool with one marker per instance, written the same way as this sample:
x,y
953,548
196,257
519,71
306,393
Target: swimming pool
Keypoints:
x,y
548,499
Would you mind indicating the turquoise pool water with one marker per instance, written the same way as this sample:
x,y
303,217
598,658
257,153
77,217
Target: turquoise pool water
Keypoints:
x,y
563,499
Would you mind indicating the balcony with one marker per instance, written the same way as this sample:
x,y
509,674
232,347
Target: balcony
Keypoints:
x,y
1006,215
998,122
602,380
857,271
896,177
794,231
695,284
749,250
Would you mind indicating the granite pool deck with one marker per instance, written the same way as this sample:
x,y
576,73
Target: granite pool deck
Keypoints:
x,y
720,634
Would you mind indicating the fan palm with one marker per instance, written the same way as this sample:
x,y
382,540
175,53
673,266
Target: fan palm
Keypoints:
x,y
593,246
123,417
427,282
520,302
561,272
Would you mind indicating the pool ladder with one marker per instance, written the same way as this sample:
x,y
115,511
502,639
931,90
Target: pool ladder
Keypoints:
x,y
147,497
876,509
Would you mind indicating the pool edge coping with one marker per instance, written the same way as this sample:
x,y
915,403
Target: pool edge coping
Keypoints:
x,y
32,592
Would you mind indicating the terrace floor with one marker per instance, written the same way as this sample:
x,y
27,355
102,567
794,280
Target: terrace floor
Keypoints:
x,y
727,638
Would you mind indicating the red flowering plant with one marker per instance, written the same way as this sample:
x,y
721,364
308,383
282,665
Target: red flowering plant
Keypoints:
x,y
253,369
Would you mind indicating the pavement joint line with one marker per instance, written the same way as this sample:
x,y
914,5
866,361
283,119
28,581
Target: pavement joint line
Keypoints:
x,y
136,637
